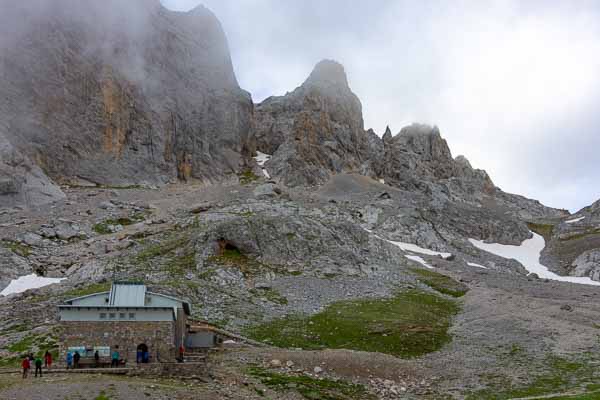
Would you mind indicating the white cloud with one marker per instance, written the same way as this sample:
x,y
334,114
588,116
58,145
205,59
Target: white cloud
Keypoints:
x,y
512,85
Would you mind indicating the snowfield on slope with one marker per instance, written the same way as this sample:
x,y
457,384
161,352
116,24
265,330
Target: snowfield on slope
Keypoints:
x,y
419,260
413,248
27,282
528,254
261,159
573,221
472,264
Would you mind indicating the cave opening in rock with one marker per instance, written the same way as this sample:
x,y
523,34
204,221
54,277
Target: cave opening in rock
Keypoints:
x,y
228,249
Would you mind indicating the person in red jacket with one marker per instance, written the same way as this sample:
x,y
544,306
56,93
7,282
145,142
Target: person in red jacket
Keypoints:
x,y
47,360
181,352
26,365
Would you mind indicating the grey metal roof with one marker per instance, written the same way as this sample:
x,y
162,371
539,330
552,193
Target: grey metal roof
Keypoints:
x,y
186,304
126,294
69,301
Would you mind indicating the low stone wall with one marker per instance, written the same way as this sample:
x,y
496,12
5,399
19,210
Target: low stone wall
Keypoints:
x,y
158,336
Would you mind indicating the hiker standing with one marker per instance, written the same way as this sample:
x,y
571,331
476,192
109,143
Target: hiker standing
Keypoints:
x,y
69,359
26,365
97,358
38,366
115,358
76,358
47,360
181,352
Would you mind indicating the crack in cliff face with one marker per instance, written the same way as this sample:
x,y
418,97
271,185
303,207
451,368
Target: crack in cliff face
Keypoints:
x,y
117,115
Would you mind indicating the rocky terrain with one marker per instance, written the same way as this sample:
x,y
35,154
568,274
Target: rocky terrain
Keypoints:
x,y
128,151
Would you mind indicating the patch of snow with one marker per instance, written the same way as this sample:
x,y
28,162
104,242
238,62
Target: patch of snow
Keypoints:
x,y
528,254
470,264
572,221
382,181
413,248
27,282
419,260
261,159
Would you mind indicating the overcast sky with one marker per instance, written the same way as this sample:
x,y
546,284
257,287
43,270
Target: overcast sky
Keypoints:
x,y
514,86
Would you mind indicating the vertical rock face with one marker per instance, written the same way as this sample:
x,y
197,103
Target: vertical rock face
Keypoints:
x,y
121,93
315,131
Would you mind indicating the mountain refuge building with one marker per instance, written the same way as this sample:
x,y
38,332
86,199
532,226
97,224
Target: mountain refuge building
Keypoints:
x,y
142,326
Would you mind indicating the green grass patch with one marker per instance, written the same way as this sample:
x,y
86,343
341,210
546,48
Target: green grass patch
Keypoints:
x,y
544,230
410,324
234,258
585,396
311,388
271,295
102,396
247,177
14,329
175,254
38,344
557,375
581,235
441,283
20,249
102,228
164,247
10,362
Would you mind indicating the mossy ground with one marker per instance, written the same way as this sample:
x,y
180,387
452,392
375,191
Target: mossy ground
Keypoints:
x,y
410,324
20,249
37,344
246,177
311,388
102,228
270,294
249,266
557,375
542,229
581,235
175,253
440,283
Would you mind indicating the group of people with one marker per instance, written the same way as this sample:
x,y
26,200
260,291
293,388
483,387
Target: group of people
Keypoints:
x,y
73,359
29,361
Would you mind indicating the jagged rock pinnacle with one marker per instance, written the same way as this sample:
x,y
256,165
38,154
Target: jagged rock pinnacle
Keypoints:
x,y
328,73
387,136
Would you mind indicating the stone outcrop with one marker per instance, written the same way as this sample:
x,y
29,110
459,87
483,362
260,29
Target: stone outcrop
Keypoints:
x,y
419,154
120,93
315,131
21,181
587,264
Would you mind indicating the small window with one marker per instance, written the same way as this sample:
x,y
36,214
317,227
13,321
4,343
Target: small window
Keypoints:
x,y
131,315
102,315
112,315
122,315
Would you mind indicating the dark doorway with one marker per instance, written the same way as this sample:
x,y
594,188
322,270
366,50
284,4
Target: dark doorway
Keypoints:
x,y
143,356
